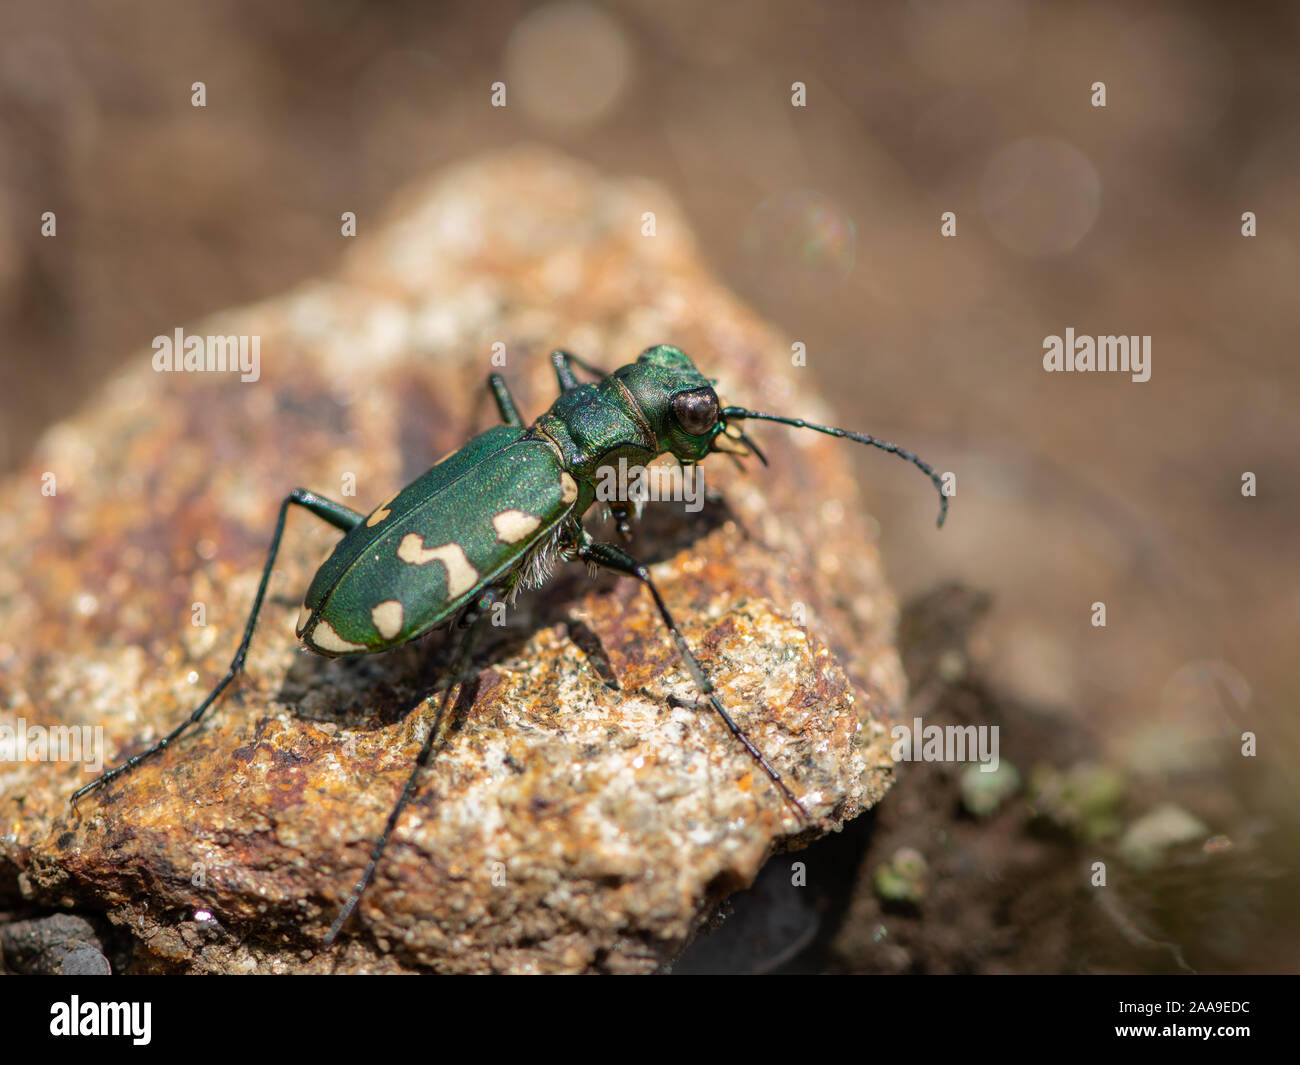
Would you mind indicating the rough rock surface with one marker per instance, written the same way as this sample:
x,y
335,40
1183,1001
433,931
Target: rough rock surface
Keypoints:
x,y
565,825
58,945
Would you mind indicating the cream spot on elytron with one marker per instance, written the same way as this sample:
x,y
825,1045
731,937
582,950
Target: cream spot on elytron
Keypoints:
x,y
304,615
461,576
513,525
324,637
569,487
387,617
381,511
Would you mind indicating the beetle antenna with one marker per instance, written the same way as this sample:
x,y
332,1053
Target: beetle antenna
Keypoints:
x,y
740,413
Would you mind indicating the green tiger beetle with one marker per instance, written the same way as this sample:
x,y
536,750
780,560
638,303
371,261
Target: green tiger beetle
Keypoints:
x,y
495,517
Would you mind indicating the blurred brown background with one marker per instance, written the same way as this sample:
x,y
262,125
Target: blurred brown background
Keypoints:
x,y
1124,219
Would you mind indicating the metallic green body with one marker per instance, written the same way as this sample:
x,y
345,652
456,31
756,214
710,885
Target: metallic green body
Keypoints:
x,y
454,503
494,511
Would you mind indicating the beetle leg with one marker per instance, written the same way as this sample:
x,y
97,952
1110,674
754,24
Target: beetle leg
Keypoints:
x,y
341,517
564,372
613,557
460,668
505,401
622,514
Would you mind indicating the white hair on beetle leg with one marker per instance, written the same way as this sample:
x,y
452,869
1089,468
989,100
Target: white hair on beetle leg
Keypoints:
x,y
542,557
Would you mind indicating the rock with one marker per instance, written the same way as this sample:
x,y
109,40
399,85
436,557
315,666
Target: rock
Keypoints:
x,y
903,878
1146,841
1083,801
59,945
982,794
564,825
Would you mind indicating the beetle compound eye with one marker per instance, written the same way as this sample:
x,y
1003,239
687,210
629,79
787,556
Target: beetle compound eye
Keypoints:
x,y
697,411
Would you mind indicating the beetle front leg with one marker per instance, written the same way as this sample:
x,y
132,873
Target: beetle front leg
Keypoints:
x,y
564,372
341,517
612,557
622,513
505,401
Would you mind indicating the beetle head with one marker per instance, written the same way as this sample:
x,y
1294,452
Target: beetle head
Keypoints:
x,y
676,399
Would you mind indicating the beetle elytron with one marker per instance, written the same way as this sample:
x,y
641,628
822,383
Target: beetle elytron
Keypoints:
x,y
494,517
